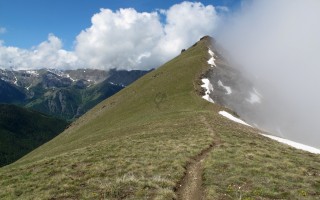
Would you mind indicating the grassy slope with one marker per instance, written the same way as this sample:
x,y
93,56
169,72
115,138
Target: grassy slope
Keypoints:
x,y
136,144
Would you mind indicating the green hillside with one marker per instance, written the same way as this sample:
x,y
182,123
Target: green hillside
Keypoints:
x,y
141,142
22,130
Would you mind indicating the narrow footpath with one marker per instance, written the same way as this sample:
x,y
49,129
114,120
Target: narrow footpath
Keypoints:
x,y
191,187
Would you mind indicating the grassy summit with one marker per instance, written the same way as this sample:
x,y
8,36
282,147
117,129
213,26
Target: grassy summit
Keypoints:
x,y
136,145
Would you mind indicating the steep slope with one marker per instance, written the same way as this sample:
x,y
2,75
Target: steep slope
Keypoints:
x,y
9,93
141,143
72,102
94,95
22,130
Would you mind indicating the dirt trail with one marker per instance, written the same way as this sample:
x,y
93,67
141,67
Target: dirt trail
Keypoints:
x,y
190,187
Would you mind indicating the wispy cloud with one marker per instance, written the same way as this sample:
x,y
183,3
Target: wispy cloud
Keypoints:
x,y
3,30
222,9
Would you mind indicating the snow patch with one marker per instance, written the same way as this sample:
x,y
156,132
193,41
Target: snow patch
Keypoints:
x,y
212,59
32,72
112,83
211,62
68,76
227,88
208,88
255,97
15,81
211,52
61,74
233,118
56,72
28,87
294,144
15,78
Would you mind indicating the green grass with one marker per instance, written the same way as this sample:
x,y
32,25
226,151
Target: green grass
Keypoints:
x,y
251,166
147,161
136,144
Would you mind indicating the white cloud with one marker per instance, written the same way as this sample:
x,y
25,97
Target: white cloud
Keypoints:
x,y
119,39
123,39
128,39
185,24
47,54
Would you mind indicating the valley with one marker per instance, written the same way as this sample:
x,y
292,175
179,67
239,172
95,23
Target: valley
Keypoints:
x,y
22,130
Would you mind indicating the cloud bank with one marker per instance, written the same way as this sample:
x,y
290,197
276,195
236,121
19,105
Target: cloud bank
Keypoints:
x,y
48,54
123,39
277,42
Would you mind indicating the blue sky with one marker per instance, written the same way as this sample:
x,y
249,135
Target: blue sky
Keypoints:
x,y
28,22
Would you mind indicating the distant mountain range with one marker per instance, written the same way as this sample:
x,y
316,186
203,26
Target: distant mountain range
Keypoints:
x,y
64,94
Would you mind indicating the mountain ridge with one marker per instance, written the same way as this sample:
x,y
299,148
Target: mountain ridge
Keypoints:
x,y
137,145
63,94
